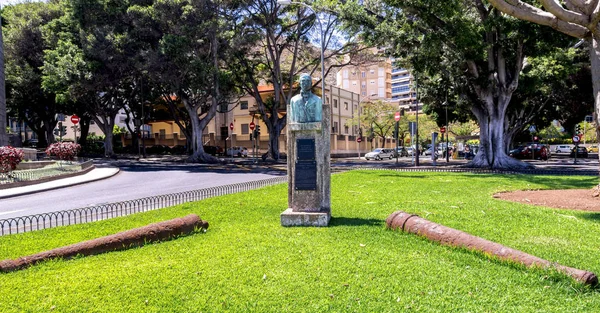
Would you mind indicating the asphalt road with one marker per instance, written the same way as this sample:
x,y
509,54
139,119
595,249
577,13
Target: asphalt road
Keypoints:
x,y
136,180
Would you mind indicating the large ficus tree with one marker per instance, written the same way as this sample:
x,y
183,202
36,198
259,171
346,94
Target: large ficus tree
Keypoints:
x,y
189,43
24,55
483,49
576,18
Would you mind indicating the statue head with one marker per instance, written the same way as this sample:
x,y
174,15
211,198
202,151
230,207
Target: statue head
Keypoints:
x,y
305,82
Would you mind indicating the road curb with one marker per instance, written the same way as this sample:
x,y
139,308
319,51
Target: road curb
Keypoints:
x,y
115,171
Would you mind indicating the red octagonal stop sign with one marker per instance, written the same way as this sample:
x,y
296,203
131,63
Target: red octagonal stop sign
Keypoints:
x,y
252,125
397,116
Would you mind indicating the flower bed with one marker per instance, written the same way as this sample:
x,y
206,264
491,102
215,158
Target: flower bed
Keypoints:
x,y
9,158
63,150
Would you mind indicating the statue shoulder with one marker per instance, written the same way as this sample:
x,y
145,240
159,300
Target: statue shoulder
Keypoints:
x,y
296,98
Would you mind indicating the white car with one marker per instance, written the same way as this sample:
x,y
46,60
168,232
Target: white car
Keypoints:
x,y
237,151
379,154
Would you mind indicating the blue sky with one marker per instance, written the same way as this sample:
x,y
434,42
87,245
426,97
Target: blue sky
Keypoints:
x,y
5,2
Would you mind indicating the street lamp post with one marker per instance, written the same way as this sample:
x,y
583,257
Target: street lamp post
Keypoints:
x,y
447,133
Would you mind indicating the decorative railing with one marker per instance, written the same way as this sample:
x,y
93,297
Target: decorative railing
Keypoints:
x,y
111,210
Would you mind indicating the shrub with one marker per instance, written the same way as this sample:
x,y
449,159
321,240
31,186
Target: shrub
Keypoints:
x,y
9,158
63,150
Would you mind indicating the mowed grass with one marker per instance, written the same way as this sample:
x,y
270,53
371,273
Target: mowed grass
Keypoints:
x,y
247,262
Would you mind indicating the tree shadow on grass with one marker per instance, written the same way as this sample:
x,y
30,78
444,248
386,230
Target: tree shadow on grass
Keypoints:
x,y
354,221
594,217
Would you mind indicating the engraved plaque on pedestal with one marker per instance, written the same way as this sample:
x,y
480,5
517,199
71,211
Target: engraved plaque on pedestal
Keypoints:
x,y
306,166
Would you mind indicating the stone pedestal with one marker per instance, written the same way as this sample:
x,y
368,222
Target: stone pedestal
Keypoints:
x,y
309,174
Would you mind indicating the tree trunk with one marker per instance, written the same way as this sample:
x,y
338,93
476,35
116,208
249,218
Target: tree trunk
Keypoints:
x,y
492,152
595,60
198,154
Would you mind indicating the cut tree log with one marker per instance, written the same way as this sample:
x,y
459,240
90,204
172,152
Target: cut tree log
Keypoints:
x,y
414,224
120,241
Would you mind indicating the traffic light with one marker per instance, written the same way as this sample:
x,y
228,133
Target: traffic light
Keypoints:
x,y
393,134
402,112
577,129
251,137
63,131
257,130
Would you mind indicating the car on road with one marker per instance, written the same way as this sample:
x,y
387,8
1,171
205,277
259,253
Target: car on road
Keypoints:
x,y
563,149
402,152
582,152
593,148
380,154
237,151
540,152
213,150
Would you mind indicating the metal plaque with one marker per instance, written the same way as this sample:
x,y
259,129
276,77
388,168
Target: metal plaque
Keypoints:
x,y
306,175
305,149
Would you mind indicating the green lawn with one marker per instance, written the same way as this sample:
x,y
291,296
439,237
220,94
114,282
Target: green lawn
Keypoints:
x,y
248,262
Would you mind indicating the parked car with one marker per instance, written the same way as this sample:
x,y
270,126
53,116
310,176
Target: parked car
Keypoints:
x,y
593,148
540,152
237,151
582,152
379,154
563,149
402,152
158,149
213,150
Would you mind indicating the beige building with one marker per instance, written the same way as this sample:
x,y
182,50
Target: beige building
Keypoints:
x,y
218,132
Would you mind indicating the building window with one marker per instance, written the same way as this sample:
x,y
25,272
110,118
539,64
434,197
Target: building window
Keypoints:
x,y
354,83
372,82
364,93
345,129
345,105
244,105
245,129
335,127
363,74
335,103
162,134
372,71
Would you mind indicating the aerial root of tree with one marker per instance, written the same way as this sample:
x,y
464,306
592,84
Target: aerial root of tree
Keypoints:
x,y
124,240
414,224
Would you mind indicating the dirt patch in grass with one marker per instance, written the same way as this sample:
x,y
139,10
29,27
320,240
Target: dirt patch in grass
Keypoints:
x,y
574,199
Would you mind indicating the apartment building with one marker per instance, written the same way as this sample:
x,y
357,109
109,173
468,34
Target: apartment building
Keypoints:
x,y
386,80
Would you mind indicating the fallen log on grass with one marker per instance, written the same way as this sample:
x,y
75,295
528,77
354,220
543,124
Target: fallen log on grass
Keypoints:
x,y
120,241
414,224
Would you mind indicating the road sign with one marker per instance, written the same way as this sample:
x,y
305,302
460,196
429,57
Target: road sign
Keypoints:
x,y
75,119
252,125
231,126
442,129
397,116
358,139
575,139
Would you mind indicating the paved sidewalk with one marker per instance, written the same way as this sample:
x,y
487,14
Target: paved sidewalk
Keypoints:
x,y
93,175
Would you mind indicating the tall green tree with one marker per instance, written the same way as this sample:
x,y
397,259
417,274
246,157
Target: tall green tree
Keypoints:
x,y
275,45
190,42
25,45
576,18
482,50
